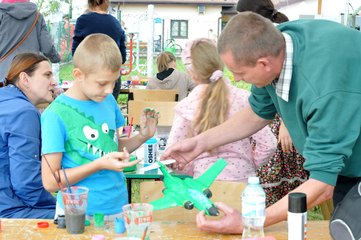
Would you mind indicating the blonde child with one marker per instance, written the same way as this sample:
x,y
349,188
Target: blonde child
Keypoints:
x,y
168,77
211,103
79,130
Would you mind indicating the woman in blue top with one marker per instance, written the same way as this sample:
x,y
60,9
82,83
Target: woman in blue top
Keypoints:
x,y
97,20
29,82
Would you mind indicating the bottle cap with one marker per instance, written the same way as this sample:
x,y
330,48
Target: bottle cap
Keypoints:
x,y
297,202
43,224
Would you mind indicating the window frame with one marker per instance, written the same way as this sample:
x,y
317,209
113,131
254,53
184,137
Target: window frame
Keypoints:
x,y
179,22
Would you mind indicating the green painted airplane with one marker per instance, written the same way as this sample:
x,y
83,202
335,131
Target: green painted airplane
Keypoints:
x,y
189,192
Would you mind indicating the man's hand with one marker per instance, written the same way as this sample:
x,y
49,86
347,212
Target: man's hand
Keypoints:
x,y
183,152
230,223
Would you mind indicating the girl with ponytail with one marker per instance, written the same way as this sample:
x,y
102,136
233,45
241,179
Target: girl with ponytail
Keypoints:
x,y
211,103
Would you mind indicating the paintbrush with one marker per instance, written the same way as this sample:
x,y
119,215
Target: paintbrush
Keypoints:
x,y
130,129
66,180
57,179
145,233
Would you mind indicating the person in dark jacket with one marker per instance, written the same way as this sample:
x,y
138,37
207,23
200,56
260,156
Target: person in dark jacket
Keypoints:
x,y
29,82
97,20
16,18
264,8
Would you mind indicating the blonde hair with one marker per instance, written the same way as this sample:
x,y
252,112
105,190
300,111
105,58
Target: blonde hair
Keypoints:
x,y
97,51
249,36
164,59
214,104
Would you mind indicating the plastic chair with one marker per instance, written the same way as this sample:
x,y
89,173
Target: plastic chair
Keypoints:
x,y
165,109
161,95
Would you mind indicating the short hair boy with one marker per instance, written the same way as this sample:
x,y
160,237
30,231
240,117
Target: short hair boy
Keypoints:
x,y
79,130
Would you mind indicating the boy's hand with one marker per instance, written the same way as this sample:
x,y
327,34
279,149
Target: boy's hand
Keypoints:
x,y
149,122
116,161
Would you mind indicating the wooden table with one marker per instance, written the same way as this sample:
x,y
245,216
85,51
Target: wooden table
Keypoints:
x,y
26,229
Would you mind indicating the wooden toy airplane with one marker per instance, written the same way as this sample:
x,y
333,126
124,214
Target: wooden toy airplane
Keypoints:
x,y
188,192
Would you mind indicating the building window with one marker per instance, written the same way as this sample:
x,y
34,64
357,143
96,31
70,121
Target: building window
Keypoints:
x,y
179,28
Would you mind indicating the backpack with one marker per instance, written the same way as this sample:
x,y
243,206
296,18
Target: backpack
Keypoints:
x,y
345,223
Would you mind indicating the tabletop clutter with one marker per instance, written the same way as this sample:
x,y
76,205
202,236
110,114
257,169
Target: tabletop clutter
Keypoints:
x,y
135,81
136,218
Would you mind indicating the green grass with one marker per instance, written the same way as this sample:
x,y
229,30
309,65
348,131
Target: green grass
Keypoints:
x,y
66,72
314,214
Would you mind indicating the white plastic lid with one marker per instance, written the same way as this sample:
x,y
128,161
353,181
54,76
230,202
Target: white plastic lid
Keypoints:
x,y
253,180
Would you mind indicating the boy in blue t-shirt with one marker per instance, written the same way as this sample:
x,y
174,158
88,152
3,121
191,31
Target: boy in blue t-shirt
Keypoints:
x,y
79,130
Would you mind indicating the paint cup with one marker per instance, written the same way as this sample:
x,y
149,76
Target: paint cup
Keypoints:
x,y
75,202
137,218
61,221
119,226
98,220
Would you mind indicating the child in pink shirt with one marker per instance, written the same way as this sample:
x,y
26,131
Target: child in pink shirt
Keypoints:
x,y
211,103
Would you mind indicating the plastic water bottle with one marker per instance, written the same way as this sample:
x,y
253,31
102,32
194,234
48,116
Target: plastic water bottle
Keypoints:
x,y
150,151
253,209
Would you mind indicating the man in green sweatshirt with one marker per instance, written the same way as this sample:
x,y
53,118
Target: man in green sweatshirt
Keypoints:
x,y
309,72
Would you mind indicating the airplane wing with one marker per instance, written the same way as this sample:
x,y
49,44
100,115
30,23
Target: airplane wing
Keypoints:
x,y
208,177
164,202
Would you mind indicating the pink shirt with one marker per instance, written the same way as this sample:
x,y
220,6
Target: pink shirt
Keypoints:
x,y
242,159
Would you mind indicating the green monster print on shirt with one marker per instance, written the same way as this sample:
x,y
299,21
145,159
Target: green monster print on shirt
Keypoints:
x,y
86,140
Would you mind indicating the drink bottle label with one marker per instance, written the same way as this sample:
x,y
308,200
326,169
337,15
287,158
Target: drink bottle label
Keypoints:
x,y
253,206
150,154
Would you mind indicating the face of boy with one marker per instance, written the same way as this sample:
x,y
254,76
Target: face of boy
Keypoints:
x,y
96,86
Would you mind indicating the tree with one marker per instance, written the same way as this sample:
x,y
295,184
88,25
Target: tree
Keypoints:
x,y
51,6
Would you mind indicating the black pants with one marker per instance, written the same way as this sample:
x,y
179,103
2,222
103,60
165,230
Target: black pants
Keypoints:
x,y
116,88
343,185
